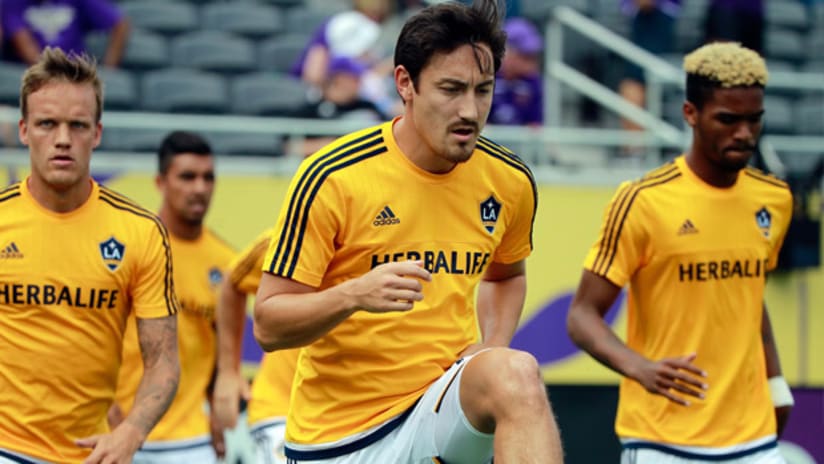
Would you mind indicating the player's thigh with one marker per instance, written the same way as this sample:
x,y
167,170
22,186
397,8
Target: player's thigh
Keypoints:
x,y
269,443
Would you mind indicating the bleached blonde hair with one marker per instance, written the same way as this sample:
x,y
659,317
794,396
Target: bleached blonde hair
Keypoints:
x,y
727,63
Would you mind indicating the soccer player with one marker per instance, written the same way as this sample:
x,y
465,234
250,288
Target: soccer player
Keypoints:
x,y
694,240
77,260
186,181
269,402
373,267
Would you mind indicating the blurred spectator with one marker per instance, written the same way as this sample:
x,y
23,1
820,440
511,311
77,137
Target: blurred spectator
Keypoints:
x,y
737,21
30,25
652,27
350,33
340,99
518,97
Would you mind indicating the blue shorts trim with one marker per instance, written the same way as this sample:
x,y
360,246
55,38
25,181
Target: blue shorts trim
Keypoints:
x,y
701,457
363,442
15,458
157,447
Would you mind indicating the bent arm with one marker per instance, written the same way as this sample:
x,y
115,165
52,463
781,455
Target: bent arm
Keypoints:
x,y
161,372
782,413
118,37
26,46
588,329
501,296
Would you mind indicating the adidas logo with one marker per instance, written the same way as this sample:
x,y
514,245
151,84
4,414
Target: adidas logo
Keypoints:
x,y
11,251
385,218
687,228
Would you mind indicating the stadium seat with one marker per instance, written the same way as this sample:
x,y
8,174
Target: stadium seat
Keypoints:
x,y
213,51
168,17
145,50
784,44
267,94
184,90
119,89
809,116
279,53
305,20
786,13
10,74
778,115
247,19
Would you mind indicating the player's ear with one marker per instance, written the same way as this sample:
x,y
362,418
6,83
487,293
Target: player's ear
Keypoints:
x,y
690,113
403,83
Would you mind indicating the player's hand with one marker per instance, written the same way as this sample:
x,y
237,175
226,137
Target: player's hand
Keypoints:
x,y
218,438
230,387
389,287
673,378
782,415
117,447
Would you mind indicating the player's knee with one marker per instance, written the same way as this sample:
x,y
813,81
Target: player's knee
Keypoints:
x,y
515,375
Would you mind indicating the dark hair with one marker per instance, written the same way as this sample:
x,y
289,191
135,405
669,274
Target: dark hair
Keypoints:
x,y
179,142
443,27
700,89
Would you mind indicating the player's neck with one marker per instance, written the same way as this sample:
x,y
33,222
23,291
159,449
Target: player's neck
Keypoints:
x,y
708,173
178,227
59,200
415,150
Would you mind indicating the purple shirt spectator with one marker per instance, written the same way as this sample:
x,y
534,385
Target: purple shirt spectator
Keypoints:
x,y
518,96
57,23
751,6
670,7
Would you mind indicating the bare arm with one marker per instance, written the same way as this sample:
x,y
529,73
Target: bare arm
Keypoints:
x,y
229,384
587,328
26,47
501,296
118,37
161,371
782,413
289,314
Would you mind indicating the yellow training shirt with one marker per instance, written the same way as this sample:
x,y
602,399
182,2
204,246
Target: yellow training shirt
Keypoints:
x,y
358,203
273,382
198,270
695,258
68,282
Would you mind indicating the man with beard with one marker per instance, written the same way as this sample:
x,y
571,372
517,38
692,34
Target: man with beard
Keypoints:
x,y
380,246
694,240
186,180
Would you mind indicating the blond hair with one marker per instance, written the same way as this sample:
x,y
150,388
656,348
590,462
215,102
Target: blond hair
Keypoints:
x,y
56,66
727,63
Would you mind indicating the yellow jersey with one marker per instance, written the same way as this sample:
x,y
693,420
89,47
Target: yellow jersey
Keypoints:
x,y
359,202
68,282
695,258
198,272
273,382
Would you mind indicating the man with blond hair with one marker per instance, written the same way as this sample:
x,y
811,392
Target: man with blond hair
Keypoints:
x,y
694,239
76,260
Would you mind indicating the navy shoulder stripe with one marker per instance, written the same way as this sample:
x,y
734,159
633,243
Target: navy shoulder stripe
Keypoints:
x,y
620,210
508,157
764,177
10,192
117,202
290,241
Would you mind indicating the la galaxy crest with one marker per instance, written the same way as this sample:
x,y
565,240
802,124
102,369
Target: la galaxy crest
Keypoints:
x,y
215,276
490,211
112,253
763,219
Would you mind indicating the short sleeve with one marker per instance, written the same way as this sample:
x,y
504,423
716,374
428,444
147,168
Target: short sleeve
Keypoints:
x,y
245,270
303,240
100,15
517,240
152,289
11,12
785,213
618,251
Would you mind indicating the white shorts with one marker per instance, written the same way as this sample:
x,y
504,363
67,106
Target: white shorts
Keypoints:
x,y
269,441
434,429
196,450
770,455
13,457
